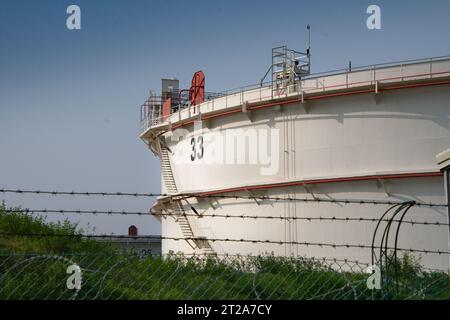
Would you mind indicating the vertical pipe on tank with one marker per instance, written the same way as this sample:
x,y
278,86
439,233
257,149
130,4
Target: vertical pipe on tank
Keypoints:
x,y
447,193
443,162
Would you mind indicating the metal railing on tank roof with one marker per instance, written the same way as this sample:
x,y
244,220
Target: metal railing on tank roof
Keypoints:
x,y
259,92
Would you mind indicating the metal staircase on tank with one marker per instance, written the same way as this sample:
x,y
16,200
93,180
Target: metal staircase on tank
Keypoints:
x,y
178,211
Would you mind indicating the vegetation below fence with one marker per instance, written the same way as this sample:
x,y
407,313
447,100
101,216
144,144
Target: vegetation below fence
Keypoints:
x,y
37,268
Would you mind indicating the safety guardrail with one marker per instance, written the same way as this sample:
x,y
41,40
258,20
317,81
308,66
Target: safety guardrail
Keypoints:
x,y
393,72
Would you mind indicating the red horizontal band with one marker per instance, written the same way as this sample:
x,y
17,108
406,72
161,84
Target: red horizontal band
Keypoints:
x,y
326,180
316,97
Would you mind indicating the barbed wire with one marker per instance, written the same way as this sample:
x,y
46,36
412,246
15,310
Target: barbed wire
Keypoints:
x,y
86,236
181,196
278,242
226,216
309,219
77,193
62,211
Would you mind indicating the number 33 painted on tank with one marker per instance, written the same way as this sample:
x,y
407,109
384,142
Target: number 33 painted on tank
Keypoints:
x,y
197,148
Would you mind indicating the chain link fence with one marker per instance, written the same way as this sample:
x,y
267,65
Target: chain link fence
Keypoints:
x,y
133,276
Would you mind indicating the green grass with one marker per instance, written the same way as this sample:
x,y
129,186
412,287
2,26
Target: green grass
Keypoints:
x,y
16,221
35,268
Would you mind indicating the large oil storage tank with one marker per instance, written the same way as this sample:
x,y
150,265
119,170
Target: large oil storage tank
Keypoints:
x,y
305,165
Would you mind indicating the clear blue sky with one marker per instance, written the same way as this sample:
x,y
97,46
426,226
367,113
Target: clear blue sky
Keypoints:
x,y
69,99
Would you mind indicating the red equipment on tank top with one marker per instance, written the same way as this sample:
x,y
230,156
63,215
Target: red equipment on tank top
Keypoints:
x,y
166,108
197,91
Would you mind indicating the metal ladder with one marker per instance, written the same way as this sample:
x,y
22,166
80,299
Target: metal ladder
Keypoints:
x,y
178,211
279,70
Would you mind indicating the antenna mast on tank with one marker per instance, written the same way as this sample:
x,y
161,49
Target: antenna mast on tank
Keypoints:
x,y
308,51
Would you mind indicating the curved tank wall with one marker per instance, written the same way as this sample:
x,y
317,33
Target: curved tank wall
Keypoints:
x,y
389,133
394,132
417,236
